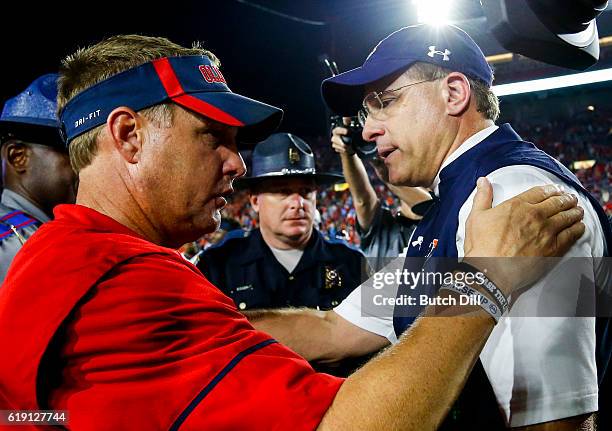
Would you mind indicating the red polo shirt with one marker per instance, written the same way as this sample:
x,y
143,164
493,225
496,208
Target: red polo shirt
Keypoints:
x,y
125,334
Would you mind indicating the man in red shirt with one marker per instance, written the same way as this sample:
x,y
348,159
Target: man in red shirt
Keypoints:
x,y
103,318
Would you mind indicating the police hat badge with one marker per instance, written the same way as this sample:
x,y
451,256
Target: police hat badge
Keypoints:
x,y
284,155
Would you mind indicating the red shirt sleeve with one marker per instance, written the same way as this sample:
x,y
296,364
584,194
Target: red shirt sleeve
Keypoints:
x,y
156,346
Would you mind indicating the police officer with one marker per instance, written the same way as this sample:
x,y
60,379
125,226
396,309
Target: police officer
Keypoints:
x,y
36,170
285,262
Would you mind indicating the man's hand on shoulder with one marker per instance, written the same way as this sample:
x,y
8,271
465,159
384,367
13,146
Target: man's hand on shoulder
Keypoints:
x,y
541,222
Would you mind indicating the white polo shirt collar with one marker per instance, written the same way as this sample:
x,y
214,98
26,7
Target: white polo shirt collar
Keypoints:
x,y
467,145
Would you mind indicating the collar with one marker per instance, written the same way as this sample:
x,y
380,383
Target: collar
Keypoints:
x,y
91,219
315,250
467,145
18,202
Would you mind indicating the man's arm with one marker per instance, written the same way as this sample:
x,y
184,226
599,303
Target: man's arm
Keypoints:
x,y
421,376
364,196
319,335
412,385
330,337
552,396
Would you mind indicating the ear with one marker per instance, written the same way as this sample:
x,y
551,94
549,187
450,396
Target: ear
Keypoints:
x,y
254,199
457,93
17,154
126,130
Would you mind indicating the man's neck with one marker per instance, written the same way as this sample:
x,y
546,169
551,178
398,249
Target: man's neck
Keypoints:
x,y
466,130
114,201
283,242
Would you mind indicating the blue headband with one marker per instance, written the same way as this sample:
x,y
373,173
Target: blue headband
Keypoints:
x,y
193,82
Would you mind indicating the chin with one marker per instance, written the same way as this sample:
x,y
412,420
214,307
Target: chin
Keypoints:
x,y
398,180
209,224
296,233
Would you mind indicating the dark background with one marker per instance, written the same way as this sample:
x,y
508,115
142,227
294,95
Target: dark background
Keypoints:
x,y
265,56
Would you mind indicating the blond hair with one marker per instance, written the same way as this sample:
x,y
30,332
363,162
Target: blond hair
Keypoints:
x,y
487,102
88,66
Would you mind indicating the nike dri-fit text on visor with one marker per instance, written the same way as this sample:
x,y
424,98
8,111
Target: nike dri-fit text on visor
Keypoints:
x,y
194,82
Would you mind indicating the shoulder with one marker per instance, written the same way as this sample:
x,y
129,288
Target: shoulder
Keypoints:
x,y
510,181
4,210
155,269
12,220
340,246
232,240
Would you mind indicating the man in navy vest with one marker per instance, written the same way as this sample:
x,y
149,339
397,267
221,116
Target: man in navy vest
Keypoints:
x,y
424,96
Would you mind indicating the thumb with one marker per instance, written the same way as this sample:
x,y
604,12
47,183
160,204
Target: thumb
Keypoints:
x,y
484,195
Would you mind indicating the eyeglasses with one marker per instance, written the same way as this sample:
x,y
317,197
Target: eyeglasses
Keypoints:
x,y
376,101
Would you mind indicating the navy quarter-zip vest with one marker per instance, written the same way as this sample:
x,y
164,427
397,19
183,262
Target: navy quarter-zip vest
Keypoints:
x,y
435,236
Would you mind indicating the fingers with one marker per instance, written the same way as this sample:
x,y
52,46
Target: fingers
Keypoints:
x,y
556,204
339,131
567,237
565,219
535,195
338,145
484,195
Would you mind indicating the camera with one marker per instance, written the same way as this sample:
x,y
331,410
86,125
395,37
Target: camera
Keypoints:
x,y
364,150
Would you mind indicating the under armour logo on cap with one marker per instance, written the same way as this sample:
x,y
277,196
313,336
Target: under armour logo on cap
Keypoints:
x,y
446,53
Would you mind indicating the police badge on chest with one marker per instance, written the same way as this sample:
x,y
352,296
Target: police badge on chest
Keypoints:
x,y
333,279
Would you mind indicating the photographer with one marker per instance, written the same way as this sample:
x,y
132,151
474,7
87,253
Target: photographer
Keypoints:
x,y
384,235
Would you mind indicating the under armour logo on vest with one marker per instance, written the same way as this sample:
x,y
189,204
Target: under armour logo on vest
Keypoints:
x,y
445,54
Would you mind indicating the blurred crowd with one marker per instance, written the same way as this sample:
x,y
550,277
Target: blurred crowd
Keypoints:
x,y
584,138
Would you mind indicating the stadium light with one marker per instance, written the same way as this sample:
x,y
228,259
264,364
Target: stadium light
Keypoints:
x,y
553,83
582,164
435,12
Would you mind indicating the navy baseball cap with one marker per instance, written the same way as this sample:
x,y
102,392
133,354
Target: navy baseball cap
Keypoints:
x,y
31,115
284,155
445,46
193,82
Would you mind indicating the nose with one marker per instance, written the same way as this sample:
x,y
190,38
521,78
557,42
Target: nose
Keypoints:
x,y
234,165
372,129
296,201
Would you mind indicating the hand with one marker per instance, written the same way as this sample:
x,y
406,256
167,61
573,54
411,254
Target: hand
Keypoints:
x,y
337,143
541,222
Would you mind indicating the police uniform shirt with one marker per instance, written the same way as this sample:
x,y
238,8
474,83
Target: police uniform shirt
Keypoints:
x,y
387,236
244,267
25,217
541,368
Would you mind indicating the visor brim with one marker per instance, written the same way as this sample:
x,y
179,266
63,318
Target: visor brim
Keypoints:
x,y
344,93
256,120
